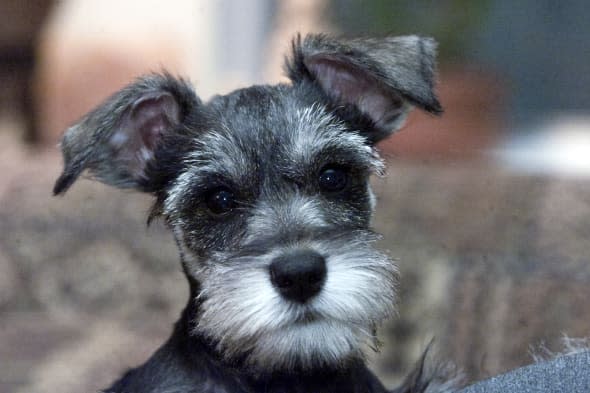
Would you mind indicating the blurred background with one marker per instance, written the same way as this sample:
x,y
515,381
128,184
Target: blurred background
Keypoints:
x,y
487,208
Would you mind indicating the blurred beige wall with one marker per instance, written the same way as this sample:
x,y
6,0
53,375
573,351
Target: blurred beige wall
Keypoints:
x,y
89,49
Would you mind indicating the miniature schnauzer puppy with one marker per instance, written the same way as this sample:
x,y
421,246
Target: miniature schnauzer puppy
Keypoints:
x,y
266,191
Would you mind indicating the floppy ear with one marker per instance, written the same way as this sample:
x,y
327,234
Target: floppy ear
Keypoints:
x,y
117,141
380,79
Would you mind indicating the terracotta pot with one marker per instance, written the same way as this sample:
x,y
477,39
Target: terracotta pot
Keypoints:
x,y
470,124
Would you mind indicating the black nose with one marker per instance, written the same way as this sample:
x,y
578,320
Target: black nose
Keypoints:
x,y
298,275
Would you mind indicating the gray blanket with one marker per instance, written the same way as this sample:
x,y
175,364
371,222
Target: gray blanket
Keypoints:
x,y
565,374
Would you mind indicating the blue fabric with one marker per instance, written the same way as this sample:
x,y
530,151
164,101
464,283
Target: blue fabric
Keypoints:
x,y
565,374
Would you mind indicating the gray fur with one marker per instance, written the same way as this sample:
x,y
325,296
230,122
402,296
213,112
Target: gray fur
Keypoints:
x,y
243,313
265,149
405,64
382,77
98,142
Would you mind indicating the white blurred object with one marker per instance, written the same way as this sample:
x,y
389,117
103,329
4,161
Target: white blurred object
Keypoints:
x,y
558,146
89,49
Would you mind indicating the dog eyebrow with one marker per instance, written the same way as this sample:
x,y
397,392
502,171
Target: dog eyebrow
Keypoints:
x,y
342,153
317,136
337,147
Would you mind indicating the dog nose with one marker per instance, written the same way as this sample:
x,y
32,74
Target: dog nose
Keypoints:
x,y
298,275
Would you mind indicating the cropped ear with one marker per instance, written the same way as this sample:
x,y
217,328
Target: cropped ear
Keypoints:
x,y
117,141
379,78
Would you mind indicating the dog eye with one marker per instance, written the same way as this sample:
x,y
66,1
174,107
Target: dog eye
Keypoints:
x,y
220,200
333,179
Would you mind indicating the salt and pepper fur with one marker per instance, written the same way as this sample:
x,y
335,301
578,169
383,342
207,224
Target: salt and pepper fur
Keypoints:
x,y
267,144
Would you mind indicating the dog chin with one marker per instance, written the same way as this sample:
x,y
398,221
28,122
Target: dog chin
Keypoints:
x,y
306,345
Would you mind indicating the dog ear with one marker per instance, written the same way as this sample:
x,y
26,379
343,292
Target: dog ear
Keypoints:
x,y
117,142
379,79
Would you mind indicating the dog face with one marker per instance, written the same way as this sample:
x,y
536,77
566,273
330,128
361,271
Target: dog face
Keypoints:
x,y
267,192
289,191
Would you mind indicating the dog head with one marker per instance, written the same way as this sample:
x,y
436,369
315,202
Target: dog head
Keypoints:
x,y
267,192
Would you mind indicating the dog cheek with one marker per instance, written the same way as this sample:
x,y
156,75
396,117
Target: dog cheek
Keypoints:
x,y
361,283
358,295
238,303
353,209
188,258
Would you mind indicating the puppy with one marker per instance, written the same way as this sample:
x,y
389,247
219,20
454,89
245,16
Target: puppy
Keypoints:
x,y
266,191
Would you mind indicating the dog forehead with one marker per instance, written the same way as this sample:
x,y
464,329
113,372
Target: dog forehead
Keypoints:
x,y
277,122
267,116
268,137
